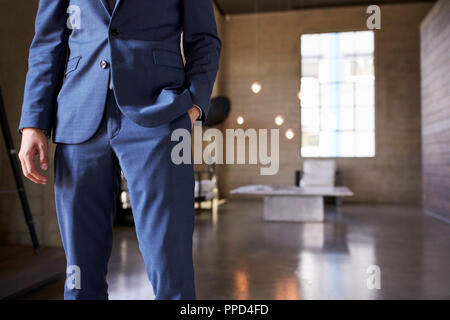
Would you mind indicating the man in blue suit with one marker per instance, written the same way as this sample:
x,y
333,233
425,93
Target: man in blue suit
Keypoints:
x,y
107,78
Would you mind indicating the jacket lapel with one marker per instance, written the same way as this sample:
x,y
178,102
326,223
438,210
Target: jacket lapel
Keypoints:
x,y
105,5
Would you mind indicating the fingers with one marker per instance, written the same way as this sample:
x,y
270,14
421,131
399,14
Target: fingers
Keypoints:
x,y
31,172
34,142
28,167
194,114
192,118
43,157
26,172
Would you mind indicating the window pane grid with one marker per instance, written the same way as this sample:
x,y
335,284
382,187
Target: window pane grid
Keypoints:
x,y
337,95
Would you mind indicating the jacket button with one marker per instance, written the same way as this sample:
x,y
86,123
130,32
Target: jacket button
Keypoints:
x,y
104,64
114,32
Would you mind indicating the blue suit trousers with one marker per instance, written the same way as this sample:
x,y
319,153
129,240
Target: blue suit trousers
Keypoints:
x,y
87,178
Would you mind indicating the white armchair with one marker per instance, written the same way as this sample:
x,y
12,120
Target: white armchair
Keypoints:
x,y
205,189
318,173
322,172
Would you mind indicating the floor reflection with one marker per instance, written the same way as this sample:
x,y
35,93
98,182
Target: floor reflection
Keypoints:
x,y
239,256
127,278
241,285
286,289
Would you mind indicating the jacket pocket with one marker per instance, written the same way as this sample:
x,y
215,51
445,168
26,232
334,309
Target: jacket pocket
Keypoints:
x,y
72,64
168,58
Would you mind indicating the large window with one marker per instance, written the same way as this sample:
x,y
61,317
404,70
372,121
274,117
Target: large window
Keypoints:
x,y
337,95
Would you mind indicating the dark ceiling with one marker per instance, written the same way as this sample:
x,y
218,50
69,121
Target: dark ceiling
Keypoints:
x,y
249,6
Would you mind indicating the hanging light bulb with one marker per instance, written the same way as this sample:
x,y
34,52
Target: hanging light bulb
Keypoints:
x,y
289,134
240,120
279,120
256,87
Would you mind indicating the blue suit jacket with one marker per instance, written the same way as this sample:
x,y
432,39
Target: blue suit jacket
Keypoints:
x,y
67,83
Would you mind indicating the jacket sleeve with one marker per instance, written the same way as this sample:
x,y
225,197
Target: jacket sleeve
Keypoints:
x,y
202,48
46,65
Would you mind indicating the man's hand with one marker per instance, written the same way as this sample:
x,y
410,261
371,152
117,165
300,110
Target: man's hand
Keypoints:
x,y
194,113
34,142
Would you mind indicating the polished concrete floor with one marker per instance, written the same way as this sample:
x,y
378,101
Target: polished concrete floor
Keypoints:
x,y
239,256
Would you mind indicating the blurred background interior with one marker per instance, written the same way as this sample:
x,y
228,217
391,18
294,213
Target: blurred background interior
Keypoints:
x,y
364,172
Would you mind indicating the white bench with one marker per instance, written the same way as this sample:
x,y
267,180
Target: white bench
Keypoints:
x,y
291,203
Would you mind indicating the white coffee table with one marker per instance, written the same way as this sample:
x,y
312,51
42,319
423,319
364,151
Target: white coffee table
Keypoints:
x,y
290,203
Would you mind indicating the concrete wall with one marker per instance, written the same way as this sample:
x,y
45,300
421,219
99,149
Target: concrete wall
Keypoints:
x,y
220,20
16,32
435,48
393,176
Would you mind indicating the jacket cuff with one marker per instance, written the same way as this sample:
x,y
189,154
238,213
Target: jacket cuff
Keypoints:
x,y
201,94
46,132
